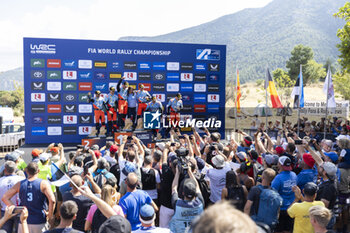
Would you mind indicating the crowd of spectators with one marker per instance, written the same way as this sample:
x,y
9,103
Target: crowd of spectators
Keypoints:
x,y
187,183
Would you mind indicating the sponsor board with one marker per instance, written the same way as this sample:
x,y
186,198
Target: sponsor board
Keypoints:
x,y
198,87
213,98
213,88
213,67
69,74
187,108
38,86
84,130
70,108
159,87
37,120
69,130
159,76
172,87
159,65
70,119
207,54
85,86
173,66
186,77
69,86
69,97
173,77
214,78
53,63
130,65
199,108
38,63
160,97
54,86
85,75
70,64
100,75
37,74
103,87
115,75
54,108
100,64
83,97
114,65
200,78
84,64
200,67
147,86
54,130
130,76
186,66
144,76
200,98
48,49
213,108
85,108
54,120
144,66
85,119
186,87
37,108
38,131
54,97
37,97
53,74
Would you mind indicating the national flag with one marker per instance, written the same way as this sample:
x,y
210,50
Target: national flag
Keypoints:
x,y
328,89
270,86
239,94
298,91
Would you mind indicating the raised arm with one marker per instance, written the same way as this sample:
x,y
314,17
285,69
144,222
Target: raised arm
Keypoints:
x,y
62,159
94,160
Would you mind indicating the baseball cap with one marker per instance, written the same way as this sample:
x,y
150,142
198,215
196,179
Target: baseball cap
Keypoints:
x,y
54,149
147,214
36,152
45,156
279,150
242,155
160,145
248,140
308,160
332,155
329,168
13,156
116,223
189,188
310,189
271,159
200,163
129,167
97,154
218,161
285,162
341,137
95,147
113,149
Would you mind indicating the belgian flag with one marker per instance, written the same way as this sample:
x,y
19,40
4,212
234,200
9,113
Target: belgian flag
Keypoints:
x,y
238,92
270,86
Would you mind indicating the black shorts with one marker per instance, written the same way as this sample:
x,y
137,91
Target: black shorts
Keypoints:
x,y
285,223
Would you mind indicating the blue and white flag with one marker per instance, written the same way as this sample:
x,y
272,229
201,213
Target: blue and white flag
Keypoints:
x,y
298,91
328,89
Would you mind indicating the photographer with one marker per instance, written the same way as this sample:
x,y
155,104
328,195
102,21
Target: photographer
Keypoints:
x,y
213,148
188,208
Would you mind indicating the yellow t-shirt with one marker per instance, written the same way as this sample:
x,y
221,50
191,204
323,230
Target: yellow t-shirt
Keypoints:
x,y
300,213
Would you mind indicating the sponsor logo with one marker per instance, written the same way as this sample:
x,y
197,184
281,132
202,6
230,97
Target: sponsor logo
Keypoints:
x,y
173,77
207,54
42,48
53,86
170,96
37,120
85,108
37,74
37,97
39,86
200,98
115,65
38,108
144,76
186,66
70,119
53,74
144,65
130,65
147,86
53,63
187,108
200,117
151,120
84,130
115,75
159,76
213,88
101,87
70,108
37,63
85,74
83,97
158,65
112,85
172,87
85,119
186,98
54,108
69,74
186,77
160,97
130,76
199,108
213,67
69,64
213,108
187,123
214,78
100,75
173,66
158,87
69,97
54,97
69,130
200,87
200,78
54,120
69,86
100,64
54,130
38,131
200,67
84,64
186,87
213,98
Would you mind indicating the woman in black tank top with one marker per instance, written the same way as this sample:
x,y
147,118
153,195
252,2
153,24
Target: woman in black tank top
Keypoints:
x,y
234,191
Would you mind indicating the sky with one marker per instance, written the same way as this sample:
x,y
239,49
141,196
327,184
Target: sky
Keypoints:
x,y
102,20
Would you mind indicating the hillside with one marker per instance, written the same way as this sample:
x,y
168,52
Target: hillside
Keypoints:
x,y
261,37
9,78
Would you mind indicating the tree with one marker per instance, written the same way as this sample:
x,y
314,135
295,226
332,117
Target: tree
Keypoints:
x,y
313,71
329,63
344,36
300,56
283,83
342,84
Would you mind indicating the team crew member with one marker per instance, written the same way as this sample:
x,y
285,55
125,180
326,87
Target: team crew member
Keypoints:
x,y
122,101
173,107
132,104
143,98
155,106
99,105
111,101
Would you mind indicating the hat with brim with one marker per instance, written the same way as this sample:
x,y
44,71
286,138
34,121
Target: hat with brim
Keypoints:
x,y
115,223
286,163
189,188
147,214
218,161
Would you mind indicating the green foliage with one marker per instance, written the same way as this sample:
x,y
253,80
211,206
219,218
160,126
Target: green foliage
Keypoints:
x,y
342,84
282,78
313,72
13,99
344,36
329,63
301,55
259,82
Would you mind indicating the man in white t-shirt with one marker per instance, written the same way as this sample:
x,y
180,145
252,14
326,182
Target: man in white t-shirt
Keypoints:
x,y
217,177
6,182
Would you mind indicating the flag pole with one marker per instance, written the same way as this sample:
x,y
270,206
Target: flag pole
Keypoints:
x,y
300,88
267,85
235,98
325,120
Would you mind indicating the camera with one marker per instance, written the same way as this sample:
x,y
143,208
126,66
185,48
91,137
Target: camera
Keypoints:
x,y
182,161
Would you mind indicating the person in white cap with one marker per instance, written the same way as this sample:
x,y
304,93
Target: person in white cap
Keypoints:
x,y
217,177
147,217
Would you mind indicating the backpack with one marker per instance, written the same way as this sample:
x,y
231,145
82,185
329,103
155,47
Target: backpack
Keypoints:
x,y
269,205
115,170
237,197
205,189
148,179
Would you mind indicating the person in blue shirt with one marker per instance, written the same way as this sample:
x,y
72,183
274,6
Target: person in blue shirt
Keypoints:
x,y
122,101
111,101
308,174
133,200
283,184
143,97
99,105
132,104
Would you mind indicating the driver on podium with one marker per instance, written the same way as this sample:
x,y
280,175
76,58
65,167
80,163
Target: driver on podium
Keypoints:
x,y
143,98
99,106
111,101
122,101
174,107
